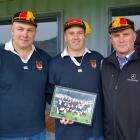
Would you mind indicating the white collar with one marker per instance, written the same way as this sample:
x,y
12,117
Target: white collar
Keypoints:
x,y
9,47
65,52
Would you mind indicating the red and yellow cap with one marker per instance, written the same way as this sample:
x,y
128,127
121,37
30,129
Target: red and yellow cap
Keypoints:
x,y
26,17
121,23
77,22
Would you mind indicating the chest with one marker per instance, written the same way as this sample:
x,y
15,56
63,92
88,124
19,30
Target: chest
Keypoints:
x,y
124,81
14,71
82,76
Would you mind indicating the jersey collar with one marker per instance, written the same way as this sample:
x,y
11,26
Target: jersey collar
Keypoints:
x,y
9,47
65,52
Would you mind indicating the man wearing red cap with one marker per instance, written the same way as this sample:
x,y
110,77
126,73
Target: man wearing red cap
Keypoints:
x,y
121,83
79,68
23,82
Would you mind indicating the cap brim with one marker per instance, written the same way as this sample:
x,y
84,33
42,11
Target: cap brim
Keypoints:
x,y
26,21
74,25
119,29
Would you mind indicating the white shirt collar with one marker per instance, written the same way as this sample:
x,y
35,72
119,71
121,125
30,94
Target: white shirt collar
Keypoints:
x,y
65,52
9,47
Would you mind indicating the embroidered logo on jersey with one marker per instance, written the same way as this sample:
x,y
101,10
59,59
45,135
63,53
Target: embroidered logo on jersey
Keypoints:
x,y
39,65
93,63
133,78
25,67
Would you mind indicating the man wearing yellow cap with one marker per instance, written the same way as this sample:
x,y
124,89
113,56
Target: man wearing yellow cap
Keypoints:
x,y
79,68
23,82
121,83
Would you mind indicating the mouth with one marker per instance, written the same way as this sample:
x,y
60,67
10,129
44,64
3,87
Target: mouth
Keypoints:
x,y
76,42
122,45
24,40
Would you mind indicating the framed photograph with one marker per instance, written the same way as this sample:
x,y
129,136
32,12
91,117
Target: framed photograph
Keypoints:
x,y
72,104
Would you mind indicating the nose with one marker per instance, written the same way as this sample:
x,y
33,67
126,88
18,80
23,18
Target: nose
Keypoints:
x,y
75,36
25,33
121,38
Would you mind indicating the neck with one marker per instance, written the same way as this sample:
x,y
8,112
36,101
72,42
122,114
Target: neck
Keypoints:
x,y
122,55
76,53
22,52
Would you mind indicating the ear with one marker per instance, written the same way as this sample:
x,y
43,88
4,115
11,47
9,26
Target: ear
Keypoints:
x,y
135,36
65,37
12,28
110,38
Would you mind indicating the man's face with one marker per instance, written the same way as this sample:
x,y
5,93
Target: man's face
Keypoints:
x,y
123,41
22,35
75,38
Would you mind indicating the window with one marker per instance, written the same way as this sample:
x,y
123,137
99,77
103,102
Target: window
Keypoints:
x,y
48,35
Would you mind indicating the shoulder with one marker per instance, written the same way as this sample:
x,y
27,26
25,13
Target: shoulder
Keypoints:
x,y
3,52
56,64
43,54
95,55
56,60
137,48
2,47
109,62
110,59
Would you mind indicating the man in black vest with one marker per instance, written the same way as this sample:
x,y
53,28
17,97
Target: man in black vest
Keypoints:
x,y
120,81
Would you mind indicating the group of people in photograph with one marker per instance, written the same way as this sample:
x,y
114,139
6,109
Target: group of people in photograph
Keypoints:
x,y
68,104
28,76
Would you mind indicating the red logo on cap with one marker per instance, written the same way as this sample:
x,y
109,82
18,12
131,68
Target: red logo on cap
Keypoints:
x,y
119,22
75,21
123,21
23,15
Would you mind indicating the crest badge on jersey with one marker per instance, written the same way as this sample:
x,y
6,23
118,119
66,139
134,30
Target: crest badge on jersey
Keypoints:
x,y
39,65
93,63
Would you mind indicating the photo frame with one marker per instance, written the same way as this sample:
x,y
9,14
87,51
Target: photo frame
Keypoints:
x,y
73,104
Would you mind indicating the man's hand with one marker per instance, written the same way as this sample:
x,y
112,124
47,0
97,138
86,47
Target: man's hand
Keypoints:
x,y
66,121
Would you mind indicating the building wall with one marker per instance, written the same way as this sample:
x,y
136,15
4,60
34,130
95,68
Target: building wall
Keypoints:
x,y
94,11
